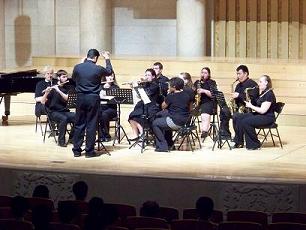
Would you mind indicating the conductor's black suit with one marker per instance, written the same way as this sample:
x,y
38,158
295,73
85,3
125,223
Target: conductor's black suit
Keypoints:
x,y
87,77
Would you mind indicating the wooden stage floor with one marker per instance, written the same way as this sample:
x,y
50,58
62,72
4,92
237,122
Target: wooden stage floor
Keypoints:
x,y
22,148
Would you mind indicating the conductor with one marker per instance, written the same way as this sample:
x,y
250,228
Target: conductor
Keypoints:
x,y
87,76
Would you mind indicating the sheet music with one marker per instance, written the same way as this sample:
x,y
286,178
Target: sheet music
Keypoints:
x,y
144,96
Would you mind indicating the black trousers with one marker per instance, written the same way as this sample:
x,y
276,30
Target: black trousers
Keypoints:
x,y
62,119
244,126
106,115
225,116
87,112
40,109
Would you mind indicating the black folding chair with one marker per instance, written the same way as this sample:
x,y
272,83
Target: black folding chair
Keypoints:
x,y
265,131
189,131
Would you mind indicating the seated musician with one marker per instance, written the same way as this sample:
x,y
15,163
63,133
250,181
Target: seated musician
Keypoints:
x,y
176,111
188,85
263,114
108,109
237,100
39,90
55,98
143,113
162,81
207,104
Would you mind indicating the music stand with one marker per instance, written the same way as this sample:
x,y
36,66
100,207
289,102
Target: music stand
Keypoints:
x,y
121,96
143,140
222,103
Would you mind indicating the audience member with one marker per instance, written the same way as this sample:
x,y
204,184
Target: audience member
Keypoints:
x,y
80,190
41,191
41,216
19,207
94,220
149,209
205,208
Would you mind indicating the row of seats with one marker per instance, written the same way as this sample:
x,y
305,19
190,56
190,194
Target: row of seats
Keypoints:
x,y
158,224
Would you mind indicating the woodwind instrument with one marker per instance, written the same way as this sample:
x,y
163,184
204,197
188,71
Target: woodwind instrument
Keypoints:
x,y
198,95
53,87
248,98
232,103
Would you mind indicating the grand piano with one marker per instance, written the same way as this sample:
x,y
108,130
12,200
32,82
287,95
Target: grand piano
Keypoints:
x,y
14,83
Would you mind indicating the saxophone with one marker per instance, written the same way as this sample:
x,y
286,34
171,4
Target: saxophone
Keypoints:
x,y
198,95
248,98
232,103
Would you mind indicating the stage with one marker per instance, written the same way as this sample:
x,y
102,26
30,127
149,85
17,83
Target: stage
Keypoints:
x,y
22,151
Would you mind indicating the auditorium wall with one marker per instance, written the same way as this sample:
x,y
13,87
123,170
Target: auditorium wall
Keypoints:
x,y
52,27
234,28
260,28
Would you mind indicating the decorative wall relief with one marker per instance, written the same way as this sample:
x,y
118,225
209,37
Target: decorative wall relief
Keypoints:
x,y
259,197
60,185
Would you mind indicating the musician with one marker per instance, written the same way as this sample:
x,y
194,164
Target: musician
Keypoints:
x,y
205,87
55,98
239,97
108,109
263,107
87,77
39,90
176,111
141,112
188,85
161,80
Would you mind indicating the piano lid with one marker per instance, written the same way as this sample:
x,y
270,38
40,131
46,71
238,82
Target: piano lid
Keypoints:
x,y
19,74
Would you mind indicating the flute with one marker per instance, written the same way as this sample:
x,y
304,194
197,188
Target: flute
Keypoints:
x,y
53,87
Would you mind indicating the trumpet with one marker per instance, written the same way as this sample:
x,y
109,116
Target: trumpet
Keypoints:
x,y
53,87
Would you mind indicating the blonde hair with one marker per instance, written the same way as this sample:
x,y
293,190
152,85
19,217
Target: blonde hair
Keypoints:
x,y
47,68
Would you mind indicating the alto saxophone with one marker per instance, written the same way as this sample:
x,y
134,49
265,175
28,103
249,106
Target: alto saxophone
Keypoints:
x,y
247,97
198,95
232,103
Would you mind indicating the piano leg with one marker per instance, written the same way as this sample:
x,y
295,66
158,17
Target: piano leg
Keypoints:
x,y
7,104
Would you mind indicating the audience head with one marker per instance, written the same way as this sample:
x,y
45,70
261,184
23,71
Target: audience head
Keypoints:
x,y
158,68
41,216
149,209
93,55
242,73
41,191
80,190
95,206
150,75
176,83
205,73
19,206
204,207
48,72
186,77
265,82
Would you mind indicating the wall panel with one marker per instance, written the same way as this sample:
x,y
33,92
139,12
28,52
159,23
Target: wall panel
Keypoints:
x,y
263,28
